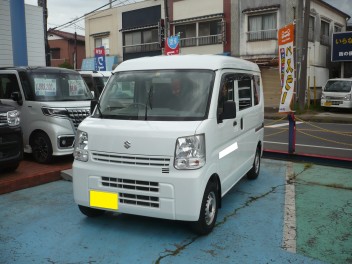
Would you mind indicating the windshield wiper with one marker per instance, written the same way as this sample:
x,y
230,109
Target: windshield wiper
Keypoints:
x,y
149,102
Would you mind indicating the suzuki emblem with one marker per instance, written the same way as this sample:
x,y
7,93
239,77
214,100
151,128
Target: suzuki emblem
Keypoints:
x,y
127,144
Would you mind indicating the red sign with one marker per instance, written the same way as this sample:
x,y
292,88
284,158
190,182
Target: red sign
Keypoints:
x,y
172,46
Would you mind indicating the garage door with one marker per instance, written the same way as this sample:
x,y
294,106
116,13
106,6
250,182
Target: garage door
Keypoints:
x,y
272,86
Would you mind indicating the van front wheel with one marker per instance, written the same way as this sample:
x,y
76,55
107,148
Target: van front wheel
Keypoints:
x,y
254,172
208,210
41,147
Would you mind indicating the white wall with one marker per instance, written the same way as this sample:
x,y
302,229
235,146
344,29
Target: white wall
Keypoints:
x,y
6,58
195,8
209,49
35,35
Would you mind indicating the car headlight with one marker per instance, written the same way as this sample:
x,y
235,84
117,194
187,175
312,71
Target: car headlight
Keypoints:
x,y
347,97
13,118
322,96
190,152
80,151
54,111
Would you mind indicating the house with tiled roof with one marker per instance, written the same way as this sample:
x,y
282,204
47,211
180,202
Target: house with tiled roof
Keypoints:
x,y
66,47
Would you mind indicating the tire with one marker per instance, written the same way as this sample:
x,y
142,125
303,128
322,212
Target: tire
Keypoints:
x,y
208,210
10,168
90,212
254,171
41,148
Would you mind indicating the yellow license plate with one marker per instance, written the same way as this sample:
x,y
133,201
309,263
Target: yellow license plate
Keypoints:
x,y
104,199
327,104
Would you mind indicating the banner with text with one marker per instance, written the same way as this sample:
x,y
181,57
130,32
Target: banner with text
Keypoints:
x,y
286,66
100,64
172,46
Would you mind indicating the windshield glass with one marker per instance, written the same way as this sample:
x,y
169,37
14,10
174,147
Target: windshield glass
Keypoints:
x,y
338,86
58,87
157,95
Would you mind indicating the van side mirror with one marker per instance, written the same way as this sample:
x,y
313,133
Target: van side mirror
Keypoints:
x,y
229,110
17,97
93,104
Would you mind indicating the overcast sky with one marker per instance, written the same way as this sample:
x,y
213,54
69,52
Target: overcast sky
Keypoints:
x,y
63,11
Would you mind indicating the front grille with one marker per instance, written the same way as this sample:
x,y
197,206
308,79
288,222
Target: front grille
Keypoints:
x,y
3,119
77,115
131,160
333,98
141,200
125,184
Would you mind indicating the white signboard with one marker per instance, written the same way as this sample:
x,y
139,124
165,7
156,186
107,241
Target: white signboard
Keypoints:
x,y
76,87
45,87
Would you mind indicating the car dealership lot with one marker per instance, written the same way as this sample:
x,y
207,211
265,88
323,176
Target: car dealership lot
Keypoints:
x,y
42,224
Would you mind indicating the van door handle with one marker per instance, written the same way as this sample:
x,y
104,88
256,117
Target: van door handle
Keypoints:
x,y
241,123
235,123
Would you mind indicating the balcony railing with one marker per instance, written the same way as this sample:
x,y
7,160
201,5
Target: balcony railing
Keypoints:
x,y
145,47
201,41
262,35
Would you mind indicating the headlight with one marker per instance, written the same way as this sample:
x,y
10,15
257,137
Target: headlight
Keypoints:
x,y
54,111
190,152
347,97
80,151
322,96
13,118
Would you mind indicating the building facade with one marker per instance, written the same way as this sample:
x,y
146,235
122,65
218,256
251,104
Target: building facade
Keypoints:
x,y
66,47
22,34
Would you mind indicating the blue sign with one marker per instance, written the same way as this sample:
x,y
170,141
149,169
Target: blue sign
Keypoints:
x,y
100,64
341,46
172,41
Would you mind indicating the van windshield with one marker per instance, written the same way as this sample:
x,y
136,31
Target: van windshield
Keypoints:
x,y
58,87
338,86
157,95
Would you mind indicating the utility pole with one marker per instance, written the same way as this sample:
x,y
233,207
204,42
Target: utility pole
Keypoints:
x,y
302,60
43,4
166,8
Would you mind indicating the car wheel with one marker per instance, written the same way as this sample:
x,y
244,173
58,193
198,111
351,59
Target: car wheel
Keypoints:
x,y
41,148
254,172
11,168
90,212
208,210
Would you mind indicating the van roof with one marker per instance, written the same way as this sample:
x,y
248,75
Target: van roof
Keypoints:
x,y
209,62
39,69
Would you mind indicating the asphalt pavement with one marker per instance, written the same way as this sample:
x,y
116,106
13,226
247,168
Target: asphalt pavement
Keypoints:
x,y
293,213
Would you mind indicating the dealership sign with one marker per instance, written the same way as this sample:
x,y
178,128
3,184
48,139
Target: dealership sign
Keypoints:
x,y
172,46
286,66
341,46
99,54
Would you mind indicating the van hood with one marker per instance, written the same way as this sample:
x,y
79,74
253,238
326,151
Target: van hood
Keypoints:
x,y
145,137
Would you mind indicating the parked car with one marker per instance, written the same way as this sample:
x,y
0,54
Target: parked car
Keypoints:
x,y
96,80
52,102
11,144
337,93
171,136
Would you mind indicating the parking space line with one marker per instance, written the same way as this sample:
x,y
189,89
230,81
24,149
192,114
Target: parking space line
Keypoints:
x,y
289,236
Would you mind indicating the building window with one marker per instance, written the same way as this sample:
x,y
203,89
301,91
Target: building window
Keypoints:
x,y
55,53
262,27
209,33
141,41
102,42
188,34
337,28
311,29
324,33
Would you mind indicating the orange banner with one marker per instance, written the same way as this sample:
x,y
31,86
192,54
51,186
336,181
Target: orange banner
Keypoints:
x,y
286,34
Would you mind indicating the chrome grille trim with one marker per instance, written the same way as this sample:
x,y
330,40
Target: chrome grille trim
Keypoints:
x,y
125,184
3,119
77,115
131,160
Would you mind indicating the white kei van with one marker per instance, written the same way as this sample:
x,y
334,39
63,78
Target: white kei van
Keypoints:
x,y
169,138
52,102
337,93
